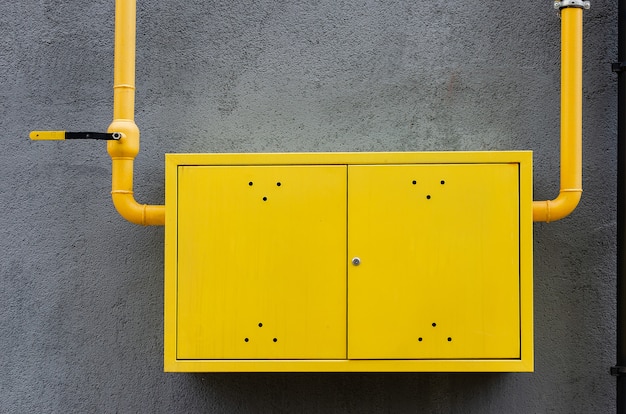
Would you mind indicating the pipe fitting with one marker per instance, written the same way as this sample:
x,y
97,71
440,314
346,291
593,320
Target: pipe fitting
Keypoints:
x,y
123,153
560,207
572,3
131,210
128,145
124,198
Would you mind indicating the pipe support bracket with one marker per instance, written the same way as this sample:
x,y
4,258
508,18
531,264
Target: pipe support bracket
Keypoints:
x,y
572,3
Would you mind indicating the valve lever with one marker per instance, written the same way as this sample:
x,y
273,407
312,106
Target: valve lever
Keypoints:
x,y
63,135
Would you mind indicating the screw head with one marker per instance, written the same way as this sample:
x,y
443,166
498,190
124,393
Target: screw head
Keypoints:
x,y
356,261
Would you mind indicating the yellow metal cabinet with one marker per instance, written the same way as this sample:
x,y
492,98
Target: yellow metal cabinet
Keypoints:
x,y
349,262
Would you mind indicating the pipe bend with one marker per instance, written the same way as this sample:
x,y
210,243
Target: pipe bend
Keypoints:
x,y
571,121
560,207
131,210
122,156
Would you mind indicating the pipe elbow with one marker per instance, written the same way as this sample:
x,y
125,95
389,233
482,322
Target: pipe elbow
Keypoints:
x,y
131,210
122,153
560,207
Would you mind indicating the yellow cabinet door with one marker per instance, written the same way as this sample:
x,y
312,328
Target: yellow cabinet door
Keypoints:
x,y
434,261
261,271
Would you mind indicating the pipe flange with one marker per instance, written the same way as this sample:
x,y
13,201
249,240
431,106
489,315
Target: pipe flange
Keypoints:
x,y
572,3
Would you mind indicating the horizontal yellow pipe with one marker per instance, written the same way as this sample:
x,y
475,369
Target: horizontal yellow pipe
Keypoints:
x,y
571,121
124,151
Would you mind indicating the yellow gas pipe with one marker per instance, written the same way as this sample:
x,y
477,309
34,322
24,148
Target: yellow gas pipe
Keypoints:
x,y
571,121
124,151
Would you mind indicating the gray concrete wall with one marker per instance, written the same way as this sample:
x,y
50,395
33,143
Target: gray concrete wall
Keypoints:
x,y
81,290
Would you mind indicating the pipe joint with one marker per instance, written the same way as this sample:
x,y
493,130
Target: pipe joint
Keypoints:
x,y
131,210
128,145
572,3
560,207
124,199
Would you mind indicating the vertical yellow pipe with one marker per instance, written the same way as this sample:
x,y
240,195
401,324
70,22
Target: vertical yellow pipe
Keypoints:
x,y
124,151
124,60
571,121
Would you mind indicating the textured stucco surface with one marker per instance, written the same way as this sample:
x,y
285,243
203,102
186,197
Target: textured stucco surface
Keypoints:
x,y
81,290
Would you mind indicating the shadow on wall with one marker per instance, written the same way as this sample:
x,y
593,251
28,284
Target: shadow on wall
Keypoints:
x,y
363,392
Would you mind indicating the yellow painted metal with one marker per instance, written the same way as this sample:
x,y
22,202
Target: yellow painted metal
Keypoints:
x,y
47,135
461,259
124,151
571,121
439,272
261,262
